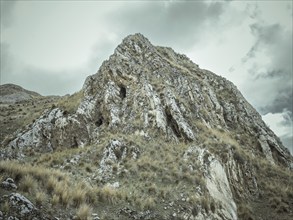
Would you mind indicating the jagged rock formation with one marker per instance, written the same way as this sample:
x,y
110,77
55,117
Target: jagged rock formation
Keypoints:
x,y
153,93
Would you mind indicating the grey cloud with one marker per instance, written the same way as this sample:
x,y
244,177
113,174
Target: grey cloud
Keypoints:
x,y
166,22
6,60
179,12
270,74
9,65
250,54
253,10
172,23
266,34
100,52
287,141
287,119
6,9
281,87
276,43
282,101
44,82
48,82
40,80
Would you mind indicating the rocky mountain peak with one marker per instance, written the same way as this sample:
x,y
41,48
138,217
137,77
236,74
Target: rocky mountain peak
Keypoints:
x,y
148,101
153,91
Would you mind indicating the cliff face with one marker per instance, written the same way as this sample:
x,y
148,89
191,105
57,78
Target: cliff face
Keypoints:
x,y
145,94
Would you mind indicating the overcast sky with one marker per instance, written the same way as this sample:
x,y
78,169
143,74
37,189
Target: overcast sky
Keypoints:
x,y
51,46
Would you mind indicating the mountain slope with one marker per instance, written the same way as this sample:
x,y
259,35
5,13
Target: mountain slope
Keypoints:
x,y
160,138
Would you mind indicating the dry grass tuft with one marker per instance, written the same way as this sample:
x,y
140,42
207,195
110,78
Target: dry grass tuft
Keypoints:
x,y
40,198
108,194
5,207
28,184
51,184
84,212
65,197
149,203
78,196
55,200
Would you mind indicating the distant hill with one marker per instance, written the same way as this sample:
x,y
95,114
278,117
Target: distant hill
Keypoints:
x,y
10,93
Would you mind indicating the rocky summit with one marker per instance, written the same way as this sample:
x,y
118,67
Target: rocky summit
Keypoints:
x,y
149,136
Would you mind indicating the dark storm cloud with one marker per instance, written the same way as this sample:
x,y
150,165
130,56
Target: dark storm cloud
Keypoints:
x,y
6,9
276,43
170,23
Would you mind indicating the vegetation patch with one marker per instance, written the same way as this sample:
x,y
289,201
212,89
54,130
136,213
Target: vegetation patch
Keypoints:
x,y
69,104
